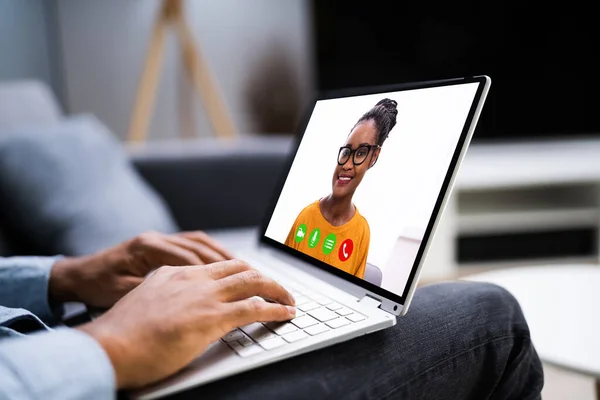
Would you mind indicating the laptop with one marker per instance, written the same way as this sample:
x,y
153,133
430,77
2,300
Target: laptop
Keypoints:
x,y
350,224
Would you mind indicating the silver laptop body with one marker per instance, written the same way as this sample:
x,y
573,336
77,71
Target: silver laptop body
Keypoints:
x,y
334,306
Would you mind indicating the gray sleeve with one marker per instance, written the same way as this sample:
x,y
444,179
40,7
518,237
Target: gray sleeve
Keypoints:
x,y
24,283
62,364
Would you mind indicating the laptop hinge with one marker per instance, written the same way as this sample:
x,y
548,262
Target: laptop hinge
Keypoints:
x,y
370,301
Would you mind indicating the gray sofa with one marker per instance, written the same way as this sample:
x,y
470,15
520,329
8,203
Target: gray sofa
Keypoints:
x,y
187,179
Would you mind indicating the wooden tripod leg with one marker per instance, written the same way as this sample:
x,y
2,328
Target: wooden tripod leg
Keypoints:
x,y
148,85
200,76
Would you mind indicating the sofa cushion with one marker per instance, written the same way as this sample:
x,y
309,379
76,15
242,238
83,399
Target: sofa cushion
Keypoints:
x,y
69,188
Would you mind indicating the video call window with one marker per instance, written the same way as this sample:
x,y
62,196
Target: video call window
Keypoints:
x,y
365,179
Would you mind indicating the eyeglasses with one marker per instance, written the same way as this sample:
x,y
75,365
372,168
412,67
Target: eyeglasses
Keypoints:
x,y
360,154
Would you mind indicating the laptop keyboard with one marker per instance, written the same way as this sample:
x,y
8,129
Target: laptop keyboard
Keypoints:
x,y
315,314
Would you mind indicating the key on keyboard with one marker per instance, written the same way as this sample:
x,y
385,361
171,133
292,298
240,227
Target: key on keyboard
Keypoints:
x,y
304,321
245,341
355,317
294,336
316,329
337,323
311,305
315,315
344,311
258,331
249,351
233,335
322,314
281,328
272,343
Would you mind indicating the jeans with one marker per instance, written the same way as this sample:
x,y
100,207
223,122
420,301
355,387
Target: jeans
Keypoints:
x,y
459,340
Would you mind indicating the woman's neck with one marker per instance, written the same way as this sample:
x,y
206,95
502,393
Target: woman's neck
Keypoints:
x,y
337,211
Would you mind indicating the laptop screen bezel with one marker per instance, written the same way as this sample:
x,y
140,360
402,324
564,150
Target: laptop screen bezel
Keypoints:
x,y
400,299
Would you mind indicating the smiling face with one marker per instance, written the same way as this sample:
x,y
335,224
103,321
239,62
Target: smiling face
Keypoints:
x,y
347,177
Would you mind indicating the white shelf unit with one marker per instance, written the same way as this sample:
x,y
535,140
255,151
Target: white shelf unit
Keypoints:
x,y
527,210
508,188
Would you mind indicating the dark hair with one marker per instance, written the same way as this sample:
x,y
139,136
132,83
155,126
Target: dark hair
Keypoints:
x,y
384,115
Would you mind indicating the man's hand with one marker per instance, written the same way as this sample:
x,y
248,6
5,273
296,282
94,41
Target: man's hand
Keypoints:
x,y
101,279
171,318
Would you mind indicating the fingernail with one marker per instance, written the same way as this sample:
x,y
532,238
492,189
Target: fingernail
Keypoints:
x,y
292,310
292,298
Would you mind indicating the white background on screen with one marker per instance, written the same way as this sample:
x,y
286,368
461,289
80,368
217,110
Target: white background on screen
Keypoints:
x,y
398,194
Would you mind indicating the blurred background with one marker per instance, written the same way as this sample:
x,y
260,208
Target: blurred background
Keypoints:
x,y
527,194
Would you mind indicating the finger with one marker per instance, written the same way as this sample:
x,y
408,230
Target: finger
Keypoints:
x,y
204,252
220,270
157,252
251,283
251,310
199,236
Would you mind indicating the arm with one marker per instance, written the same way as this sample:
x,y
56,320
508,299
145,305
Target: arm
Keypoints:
x,y
24,283
40,284
61,364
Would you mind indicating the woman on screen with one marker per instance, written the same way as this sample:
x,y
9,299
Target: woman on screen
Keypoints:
x,y
331,229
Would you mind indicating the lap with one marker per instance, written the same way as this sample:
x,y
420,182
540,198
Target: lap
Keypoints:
x,y
441,346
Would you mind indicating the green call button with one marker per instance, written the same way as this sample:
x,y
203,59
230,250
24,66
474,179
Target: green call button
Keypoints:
x,y
300,233
314,237
329,243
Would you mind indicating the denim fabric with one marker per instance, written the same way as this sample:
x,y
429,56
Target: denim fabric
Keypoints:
x,y
50,364
458,341
16,322
24,284
63,364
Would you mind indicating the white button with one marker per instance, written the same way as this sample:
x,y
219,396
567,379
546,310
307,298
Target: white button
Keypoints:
x,y
249,351
344,311
322,300
272,343
334,306
301,300
294,336
304,321
235,345
355,317
257,331
336,323
322,314
282,328
299,313
233,335
311,305
315,330
245,341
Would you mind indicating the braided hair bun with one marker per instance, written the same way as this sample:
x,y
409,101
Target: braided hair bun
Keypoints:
x,y
384,115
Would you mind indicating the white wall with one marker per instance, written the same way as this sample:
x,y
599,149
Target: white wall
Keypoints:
x,y
105,43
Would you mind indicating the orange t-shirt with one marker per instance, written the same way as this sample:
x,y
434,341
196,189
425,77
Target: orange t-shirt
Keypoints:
x,y
345,247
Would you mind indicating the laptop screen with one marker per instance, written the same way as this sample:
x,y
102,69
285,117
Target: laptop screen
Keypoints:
x,y
366,177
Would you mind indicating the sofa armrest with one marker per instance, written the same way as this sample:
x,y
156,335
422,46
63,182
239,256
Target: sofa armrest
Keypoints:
x,y
214,185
